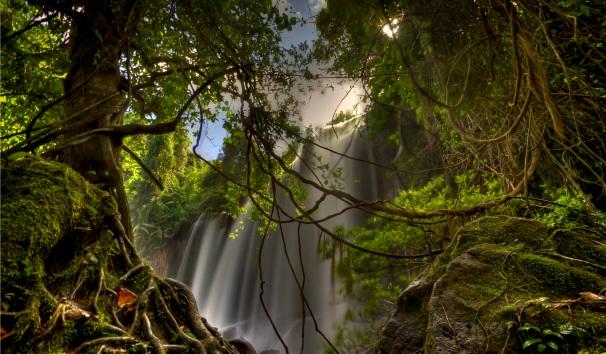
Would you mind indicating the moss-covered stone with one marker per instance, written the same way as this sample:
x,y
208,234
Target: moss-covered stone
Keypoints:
x,y
581,244
523,234
500,271
558,279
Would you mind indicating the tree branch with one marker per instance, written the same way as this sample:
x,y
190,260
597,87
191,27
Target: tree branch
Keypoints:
x,y
141,163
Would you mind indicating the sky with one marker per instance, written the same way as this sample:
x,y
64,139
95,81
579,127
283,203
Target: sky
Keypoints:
x,y
318,106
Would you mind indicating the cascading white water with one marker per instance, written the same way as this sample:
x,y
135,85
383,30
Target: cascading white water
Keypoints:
x,y
224,273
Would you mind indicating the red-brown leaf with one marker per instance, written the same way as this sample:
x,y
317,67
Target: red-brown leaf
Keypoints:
x,y
5,334
125,297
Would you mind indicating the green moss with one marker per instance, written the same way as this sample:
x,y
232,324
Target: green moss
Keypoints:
x,y
517,233
137,349
524,233
489,283
560,279
522,237
592,321
51,219
139,279
491,276
41,200
582,245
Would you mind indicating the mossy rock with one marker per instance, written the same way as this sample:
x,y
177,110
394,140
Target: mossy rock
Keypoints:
x,y
497,273
523,234
582,244
52,235
468,308
469,288
520,233
557,278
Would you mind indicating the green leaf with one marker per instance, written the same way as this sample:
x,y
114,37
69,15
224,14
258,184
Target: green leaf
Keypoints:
x,y
566,328
586,10
531,342
527,327
553,345
549,332
17,155
541,347
580,332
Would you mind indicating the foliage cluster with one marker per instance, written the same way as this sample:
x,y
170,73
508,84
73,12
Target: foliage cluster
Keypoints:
x,y
33,65
189,188
546,340
509,88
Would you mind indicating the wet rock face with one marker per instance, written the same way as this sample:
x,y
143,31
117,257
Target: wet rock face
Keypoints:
x,y
490,277
456,311
405,331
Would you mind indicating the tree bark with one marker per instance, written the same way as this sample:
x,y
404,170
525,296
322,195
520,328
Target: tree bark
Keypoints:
x,y
99,34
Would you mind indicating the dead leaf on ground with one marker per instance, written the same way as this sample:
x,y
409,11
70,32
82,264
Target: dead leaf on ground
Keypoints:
x,y
125,297
588,296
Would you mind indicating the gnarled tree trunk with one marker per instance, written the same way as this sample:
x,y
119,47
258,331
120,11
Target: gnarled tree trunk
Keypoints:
x,y
72,280
97,94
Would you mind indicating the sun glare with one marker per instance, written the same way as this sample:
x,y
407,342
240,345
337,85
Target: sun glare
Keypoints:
x,y
391,29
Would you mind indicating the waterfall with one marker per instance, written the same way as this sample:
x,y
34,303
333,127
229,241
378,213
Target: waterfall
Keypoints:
x,y
224,273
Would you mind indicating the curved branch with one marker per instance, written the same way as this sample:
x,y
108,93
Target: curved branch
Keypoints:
x,y
409,213
118,131
141,163
33,23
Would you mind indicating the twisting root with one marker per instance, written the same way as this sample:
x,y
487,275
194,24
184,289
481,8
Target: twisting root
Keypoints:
x,y
99,288
175,325
155,341
122,341
194,321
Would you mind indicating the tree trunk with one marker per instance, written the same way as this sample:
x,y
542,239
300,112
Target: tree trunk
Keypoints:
x,y
96,98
